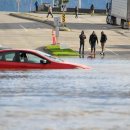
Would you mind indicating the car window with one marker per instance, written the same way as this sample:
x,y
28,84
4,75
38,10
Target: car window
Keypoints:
x,y
9,56
30,58
0,56
49,56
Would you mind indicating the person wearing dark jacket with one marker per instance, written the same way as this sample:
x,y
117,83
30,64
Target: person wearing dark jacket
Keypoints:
x,y
82,38
76,12
92,40
103,41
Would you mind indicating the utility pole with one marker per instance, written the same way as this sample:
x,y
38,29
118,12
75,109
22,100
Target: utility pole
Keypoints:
x,y
41,2
18,4
30,5
79,3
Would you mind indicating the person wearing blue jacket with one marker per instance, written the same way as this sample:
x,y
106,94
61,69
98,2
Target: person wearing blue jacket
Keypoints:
x,y
36,5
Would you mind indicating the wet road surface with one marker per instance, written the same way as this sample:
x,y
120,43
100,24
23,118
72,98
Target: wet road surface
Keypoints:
x,y
98,99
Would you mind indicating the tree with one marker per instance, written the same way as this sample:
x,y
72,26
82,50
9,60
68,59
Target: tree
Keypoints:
x,y
63,2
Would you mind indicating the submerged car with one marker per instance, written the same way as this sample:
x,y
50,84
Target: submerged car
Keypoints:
x,y
33,59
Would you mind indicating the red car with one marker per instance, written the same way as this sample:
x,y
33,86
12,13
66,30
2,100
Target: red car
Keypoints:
x,y
33,59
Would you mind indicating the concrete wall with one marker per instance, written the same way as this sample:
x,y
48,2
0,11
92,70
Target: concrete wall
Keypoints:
x,y
26,5
85,4
12,5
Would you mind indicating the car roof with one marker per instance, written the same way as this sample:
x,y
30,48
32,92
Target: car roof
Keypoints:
x,y
6,50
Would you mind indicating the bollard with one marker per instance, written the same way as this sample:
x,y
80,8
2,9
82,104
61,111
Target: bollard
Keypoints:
x,y
128,25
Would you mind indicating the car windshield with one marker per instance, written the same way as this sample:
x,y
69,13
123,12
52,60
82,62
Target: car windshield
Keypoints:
x,y
49,56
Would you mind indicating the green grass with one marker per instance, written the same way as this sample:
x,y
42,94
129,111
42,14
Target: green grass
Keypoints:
x,y
55,50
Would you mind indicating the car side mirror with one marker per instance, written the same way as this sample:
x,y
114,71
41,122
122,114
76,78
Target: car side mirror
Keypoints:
x,y
43,61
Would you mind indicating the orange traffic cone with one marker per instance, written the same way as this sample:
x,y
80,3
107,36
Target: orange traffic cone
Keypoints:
x,y
53,37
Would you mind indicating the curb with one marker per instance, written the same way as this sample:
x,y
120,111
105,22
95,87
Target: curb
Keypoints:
x,y
38,19
64,29
32,17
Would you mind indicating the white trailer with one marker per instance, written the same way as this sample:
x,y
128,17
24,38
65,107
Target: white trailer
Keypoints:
x,y
119,13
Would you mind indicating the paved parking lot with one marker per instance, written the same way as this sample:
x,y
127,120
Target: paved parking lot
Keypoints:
x,y
21,33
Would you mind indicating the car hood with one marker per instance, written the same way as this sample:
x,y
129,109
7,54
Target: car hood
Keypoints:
x,y
79,66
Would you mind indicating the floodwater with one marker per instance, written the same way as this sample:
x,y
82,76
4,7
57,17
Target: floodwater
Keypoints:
x,y
98,99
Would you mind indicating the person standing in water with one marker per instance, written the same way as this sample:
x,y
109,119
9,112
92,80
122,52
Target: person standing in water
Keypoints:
x,y
82,38
92,40
103,41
